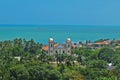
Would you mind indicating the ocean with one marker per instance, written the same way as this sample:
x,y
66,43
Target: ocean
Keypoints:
x,y
59,32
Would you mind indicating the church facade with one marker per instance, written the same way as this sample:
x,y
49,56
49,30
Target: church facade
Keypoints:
x,y
55,48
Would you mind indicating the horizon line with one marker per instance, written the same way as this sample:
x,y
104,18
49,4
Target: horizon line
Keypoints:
x,y
53,25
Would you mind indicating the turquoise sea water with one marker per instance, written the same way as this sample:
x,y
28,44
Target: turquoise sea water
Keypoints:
x,y
59,32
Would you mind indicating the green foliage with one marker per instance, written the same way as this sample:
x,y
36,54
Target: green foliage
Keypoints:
x,y
101,64
106,54
101,40
35,64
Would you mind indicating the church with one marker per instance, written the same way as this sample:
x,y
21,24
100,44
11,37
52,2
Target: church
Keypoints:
x,y
54,48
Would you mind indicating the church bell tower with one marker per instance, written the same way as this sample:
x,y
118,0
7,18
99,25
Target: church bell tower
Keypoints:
x,y
51,46
68,46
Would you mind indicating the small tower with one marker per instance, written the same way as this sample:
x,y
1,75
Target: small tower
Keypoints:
x,y
51,46
68,46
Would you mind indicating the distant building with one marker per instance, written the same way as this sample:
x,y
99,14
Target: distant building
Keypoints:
x,y
98,45
18,58
115,43
55,48
111,67
106,42
77,45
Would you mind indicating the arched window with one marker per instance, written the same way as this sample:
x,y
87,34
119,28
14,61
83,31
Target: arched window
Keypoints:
x,y
68,51
56,51
51,45
51,51
68,45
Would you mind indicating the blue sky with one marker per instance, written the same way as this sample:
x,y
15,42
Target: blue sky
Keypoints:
x,y
63,12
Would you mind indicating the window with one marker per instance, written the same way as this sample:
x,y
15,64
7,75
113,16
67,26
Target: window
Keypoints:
x,y
63,51
51,45
56,52
68,51
68,46
51,51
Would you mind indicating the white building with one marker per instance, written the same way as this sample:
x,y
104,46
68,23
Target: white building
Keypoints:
x,y
59,48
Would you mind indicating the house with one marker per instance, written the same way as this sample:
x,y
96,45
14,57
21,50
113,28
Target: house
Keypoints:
x,y
111,67
107,42
18,58
101,44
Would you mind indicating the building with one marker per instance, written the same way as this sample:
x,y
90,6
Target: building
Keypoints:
x,y
111,67
54,48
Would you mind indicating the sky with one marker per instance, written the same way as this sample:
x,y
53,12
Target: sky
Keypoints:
x,y
60,12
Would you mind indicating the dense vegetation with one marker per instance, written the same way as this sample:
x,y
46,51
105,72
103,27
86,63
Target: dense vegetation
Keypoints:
x,y
35,64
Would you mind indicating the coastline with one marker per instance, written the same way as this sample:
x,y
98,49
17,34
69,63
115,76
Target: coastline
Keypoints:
x,y
60,33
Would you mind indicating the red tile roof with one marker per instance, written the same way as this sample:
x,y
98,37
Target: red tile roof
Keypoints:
x,y
47,47
104,42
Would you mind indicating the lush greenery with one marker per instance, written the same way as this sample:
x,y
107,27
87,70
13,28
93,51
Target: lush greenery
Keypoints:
x,y
36,64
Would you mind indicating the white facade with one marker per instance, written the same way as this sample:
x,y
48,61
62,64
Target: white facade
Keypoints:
x,y
60,48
